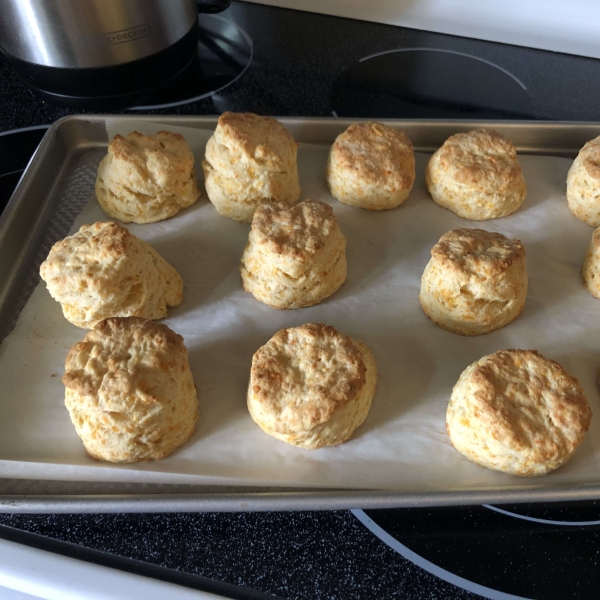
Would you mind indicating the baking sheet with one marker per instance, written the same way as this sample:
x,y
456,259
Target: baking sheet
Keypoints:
x,y
402,445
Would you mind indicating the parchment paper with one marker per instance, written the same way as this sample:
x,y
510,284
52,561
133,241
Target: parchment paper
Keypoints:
x,y
402,444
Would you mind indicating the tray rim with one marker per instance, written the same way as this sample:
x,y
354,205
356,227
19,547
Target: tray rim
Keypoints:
x,y
282,501
238,500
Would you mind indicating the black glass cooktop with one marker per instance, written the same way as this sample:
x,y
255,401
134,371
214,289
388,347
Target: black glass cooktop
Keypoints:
x,y
547,552
279,62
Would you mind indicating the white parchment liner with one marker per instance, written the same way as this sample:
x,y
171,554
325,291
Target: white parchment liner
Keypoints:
x,y
402,444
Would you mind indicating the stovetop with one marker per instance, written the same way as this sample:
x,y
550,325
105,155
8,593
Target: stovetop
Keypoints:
x,y
281,62
533,551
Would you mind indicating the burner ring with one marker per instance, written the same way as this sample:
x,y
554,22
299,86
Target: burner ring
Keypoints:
x,y
429,83
509,513
426,565
223,57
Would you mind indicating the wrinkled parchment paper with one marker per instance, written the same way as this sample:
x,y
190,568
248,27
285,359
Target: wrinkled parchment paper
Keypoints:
x,y
403,444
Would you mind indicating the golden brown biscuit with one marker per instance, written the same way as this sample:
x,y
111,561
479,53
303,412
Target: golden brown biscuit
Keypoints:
x,y
371,166
583,184
105,271
517,412
475,282
311,386
130,391
250,160
590,271
295,257
476,175
144,179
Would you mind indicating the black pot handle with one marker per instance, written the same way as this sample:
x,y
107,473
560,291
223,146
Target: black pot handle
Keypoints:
x,y
212,6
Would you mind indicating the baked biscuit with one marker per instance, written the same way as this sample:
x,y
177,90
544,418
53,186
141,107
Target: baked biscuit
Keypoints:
x,y
591,265
144,179
476,175
250,160
105,271
475,281
517,412
311,386
583,184
130,391
371,166
295,257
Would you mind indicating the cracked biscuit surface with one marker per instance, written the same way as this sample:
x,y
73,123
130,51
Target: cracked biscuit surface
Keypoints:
x,y
475,281
476,175
295,257
103,271
144,179
371,166
250,161
311,386
129,390
583,184
517,412
590,271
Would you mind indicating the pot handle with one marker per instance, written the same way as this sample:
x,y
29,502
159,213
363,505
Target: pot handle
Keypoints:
x,y
212,6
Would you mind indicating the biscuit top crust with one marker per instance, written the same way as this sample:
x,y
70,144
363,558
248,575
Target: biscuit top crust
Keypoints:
x,y
303,374
477,252
87,254
589,156
124,360
151,164
298,232
480,159
376,154
262,139
595,241
528,401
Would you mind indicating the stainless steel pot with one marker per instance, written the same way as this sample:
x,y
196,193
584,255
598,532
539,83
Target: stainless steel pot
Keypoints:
x,y
78,49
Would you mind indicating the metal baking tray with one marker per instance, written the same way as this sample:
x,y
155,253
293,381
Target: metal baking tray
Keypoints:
x,y
64,167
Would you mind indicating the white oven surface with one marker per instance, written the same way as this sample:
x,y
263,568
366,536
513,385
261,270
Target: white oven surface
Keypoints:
x,y
27,573
572,27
